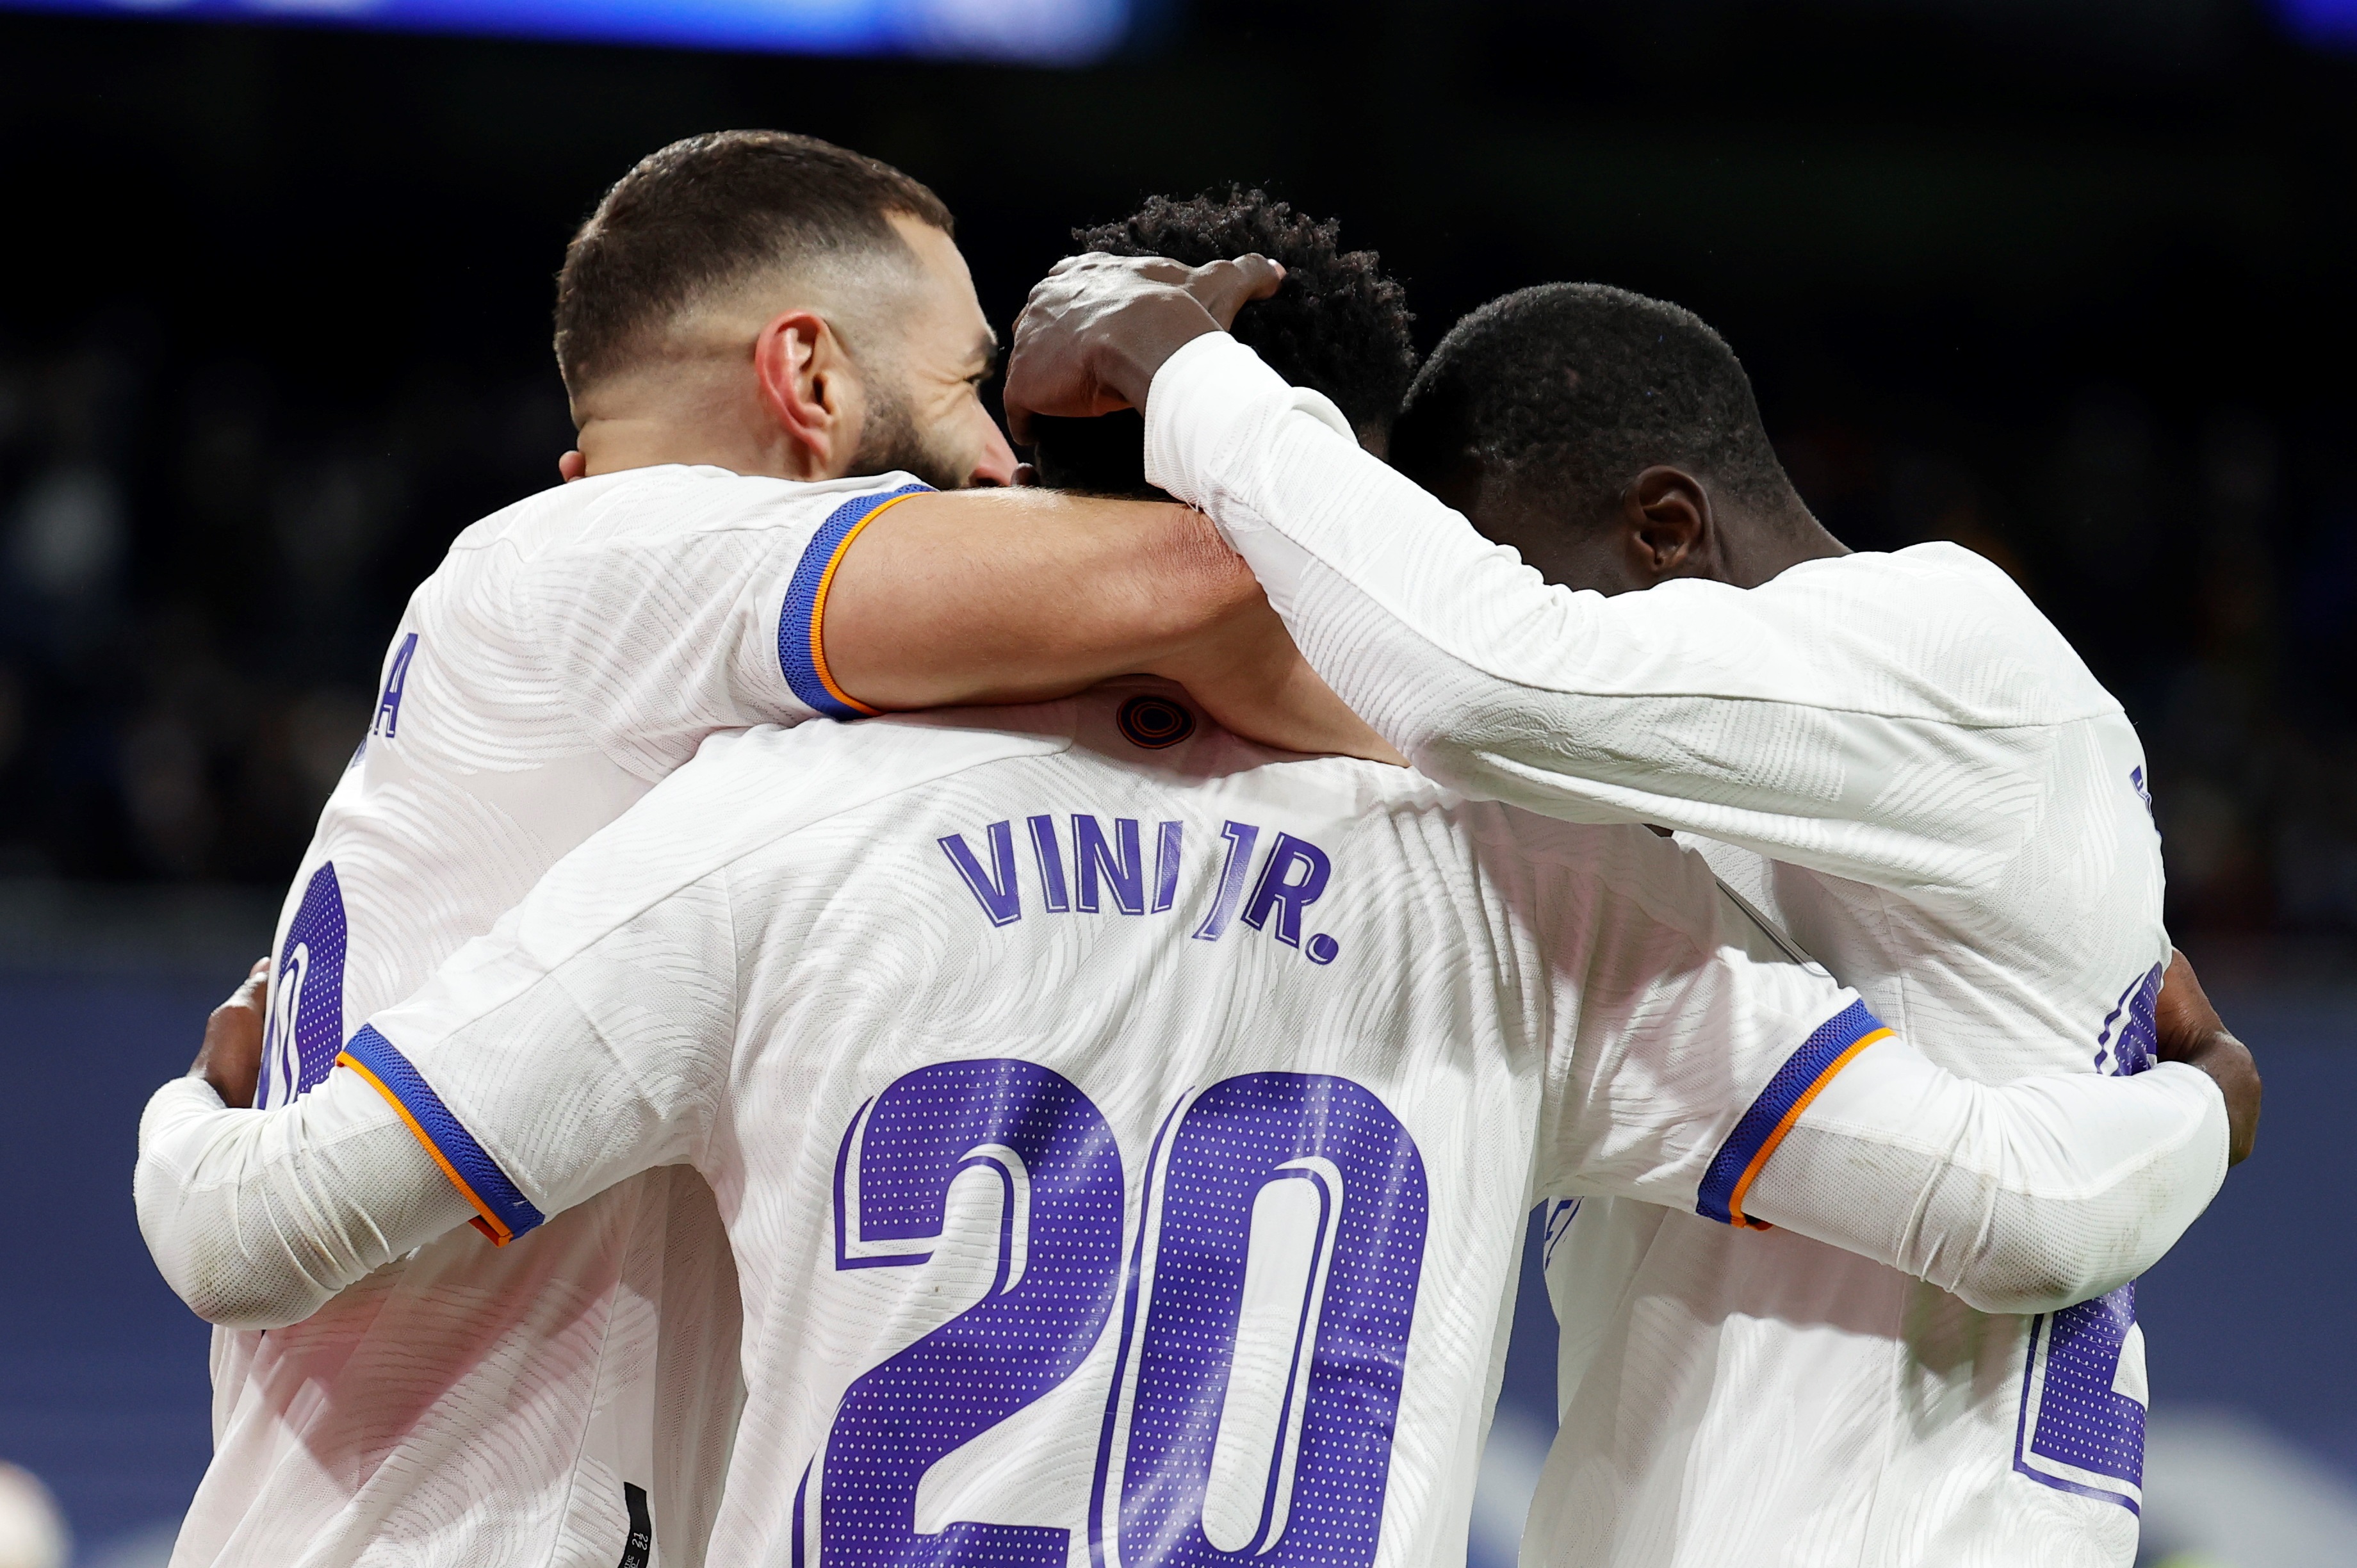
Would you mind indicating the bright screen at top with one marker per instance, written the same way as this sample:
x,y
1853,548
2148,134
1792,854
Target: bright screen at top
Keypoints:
x,y
1048,31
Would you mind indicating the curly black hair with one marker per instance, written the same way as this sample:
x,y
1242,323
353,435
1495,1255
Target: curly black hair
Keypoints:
x,y
1338,325
1551,400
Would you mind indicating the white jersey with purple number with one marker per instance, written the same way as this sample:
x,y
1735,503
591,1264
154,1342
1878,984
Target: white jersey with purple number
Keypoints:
x,y
555,1404
1900,761
1122,1132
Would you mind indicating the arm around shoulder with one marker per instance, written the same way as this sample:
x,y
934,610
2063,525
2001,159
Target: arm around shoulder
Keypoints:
x,y
2018,1198
1018,596
256,1218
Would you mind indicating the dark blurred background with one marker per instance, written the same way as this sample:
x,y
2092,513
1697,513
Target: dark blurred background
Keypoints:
x,y
2066,281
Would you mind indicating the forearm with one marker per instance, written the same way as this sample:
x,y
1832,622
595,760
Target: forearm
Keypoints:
x,y
256,1218
1020,595
2018,1198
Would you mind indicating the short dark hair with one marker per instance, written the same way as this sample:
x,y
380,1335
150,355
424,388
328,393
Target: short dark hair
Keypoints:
x,y
1557,396
705,214
1338,325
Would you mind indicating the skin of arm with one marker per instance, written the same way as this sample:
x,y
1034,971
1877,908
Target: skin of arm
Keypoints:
x,y
1027,595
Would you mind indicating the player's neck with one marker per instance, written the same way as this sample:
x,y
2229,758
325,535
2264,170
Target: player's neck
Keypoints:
x,y
720,426
1765,548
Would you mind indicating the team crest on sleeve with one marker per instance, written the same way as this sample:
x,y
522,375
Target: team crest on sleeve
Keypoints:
x,y
1153,723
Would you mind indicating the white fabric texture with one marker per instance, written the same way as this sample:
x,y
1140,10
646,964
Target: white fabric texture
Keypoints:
x,y
777,944
256,1221
468,1404
2023,1197
1898,760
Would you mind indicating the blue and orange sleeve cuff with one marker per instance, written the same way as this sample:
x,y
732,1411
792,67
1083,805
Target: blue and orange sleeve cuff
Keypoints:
x,y
801,655
501,1212
1835,1044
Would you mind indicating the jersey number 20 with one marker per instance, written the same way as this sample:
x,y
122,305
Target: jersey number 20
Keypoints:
x,y
1264,1307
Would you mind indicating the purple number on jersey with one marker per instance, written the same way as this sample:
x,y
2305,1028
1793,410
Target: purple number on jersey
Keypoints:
x,y
306,995
1058,1270
2082,1401
1283,1281
2083,1385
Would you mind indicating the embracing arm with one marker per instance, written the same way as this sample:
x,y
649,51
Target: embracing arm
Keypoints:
x,y
987,596
1751,1091
256,1218
539,1066
1775,719
2024,1196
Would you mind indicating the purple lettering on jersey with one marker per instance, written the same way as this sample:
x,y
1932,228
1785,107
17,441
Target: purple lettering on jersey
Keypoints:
x,y
1049,852
387,722
2144,792
2082,1401
306,1024
1241,837
1166,865
2138,1043
1321,1480
994,890
1060,1217
1279,890
1094,858
1294,876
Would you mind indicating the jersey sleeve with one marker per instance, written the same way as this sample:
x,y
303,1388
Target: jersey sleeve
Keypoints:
x,y
660,637
1748,1088
1750,717
541,1064
565,1052
256,1218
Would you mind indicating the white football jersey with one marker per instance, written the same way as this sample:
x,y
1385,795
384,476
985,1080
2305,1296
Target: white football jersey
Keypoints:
x,y
1903,764
558,1404
1123,1131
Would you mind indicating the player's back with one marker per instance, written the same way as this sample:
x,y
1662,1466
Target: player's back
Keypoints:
x,y
1124,1132
1909,1429
466,1405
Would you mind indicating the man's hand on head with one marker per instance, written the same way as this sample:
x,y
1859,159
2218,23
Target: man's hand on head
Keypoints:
x,y
231,1059
2189,1030
1097,328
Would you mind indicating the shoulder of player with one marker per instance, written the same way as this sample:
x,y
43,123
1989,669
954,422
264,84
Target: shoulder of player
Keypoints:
x,y
659,507
745,789
1937,631
725,822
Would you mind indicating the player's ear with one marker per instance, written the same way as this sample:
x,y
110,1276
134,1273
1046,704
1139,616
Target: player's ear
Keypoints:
x,y
810,390
1666,514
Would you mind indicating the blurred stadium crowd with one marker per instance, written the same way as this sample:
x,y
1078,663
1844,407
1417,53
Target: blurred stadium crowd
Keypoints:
x,y
200,563
2066,284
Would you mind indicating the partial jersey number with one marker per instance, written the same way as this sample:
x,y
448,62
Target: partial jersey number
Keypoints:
x,y
1264,1315
2084,1392
305,1027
